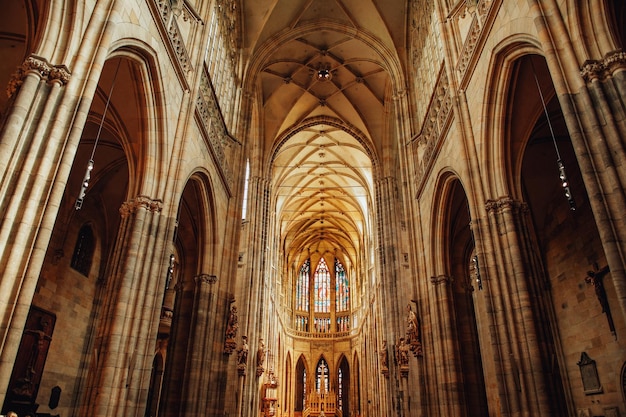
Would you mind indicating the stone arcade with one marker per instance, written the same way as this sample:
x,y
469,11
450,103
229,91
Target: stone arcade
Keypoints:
x,y
292,208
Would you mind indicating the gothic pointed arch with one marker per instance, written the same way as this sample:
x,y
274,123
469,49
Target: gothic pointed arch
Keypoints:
x,y
555,213
288,385
194,242
356,383
302,381
145,115
321,378
344,384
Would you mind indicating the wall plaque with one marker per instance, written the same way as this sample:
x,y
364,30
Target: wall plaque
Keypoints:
x,y
589,375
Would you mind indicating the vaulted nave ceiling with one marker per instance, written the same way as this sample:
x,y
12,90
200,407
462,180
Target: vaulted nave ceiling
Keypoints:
x,y
323,72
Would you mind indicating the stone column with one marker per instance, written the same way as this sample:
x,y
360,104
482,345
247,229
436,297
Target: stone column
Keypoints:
x,y
606,83
130,314
199,352
393,293
31,148
254,289
594,120
447,366
524,389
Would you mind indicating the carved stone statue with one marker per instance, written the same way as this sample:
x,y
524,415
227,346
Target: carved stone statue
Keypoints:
x,y
233,324
231,331
413,332
242,356
383,354
260,355
242,353
402,352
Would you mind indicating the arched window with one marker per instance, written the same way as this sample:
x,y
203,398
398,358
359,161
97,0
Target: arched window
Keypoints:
x,y
343,386
342,298
244,206
300,400
83,250
302,287
340,390
321,377
321,287
328,291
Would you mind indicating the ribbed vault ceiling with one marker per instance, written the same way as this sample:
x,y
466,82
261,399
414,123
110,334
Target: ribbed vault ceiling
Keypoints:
x,y
321,68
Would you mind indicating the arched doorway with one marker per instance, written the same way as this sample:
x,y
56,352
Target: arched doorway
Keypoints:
x,y
464,288
343,386
300,387
189,238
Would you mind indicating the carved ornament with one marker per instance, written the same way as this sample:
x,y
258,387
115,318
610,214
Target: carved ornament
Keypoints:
x,y
41,67
601,69
141,201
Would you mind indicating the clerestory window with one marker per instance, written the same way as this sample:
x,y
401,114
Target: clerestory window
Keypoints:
x,y
328,292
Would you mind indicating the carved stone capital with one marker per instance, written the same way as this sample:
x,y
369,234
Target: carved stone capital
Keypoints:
x,y
600,69
504,203
60,74
37,64
141,201
42,68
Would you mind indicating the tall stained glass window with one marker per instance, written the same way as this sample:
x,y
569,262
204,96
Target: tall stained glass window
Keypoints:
x,y
342,286
321,286
302,287
322,379
340,393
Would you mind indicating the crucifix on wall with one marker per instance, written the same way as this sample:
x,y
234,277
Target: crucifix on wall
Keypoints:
x,y
595,278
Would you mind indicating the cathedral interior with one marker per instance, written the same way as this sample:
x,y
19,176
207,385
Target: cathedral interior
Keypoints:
x,y
306,208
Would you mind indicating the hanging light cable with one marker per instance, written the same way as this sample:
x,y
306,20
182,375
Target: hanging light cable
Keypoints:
x,y
562,174
90,164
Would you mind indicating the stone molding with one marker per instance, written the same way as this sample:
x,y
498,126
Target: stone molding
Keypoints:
x,y
477,29
174,35
217,135
504,203
41,67
434,126
141,201
601,69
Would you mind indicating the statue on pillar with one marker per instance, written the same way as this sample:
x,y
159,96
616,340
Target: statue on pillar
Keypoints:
x,y
242,356
260,358
231,331
402,356
413,331
384,359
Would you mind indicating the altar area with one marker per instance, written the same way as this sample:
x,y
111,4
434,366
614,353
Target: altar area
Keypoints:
x,y
322,404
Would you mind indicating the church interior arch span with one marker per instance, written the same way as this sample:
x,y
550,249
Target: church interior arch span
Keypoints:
x,y
391,144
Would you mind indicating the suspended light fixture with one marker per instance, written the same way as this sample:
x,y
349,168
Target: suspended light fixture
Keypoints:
x,y
87,178
324,72
479,280
170,272
561,166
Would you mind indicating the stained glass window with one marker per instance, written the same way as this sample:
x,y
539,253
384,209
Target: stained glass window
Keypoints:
x,y
342,286
304,389
83,250
340,393
325,293
321,286
302,287
322,374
